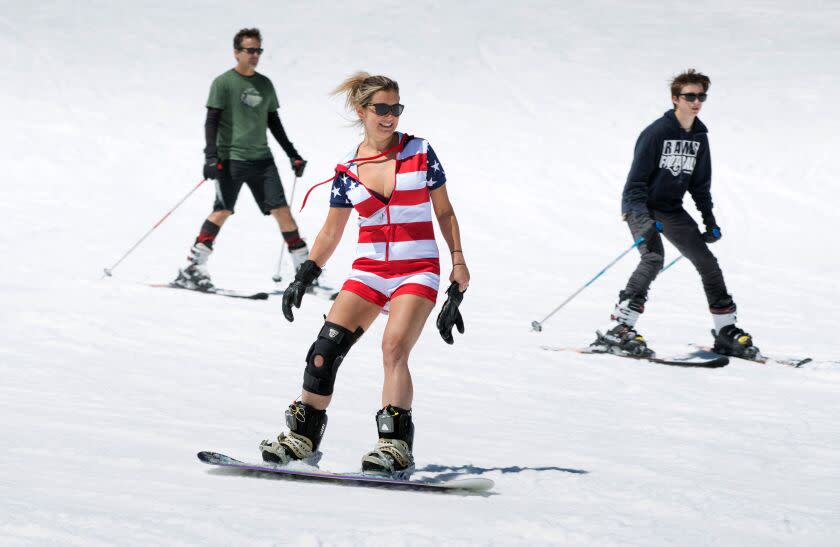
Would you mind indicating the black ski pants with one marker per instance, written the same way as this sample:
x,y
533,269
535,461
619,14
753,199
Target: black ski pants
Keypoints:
x,y
682,231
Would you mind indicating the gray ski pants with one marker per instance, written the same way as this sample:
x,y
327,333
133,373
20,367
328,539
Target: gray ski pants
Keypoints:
x,y
681,230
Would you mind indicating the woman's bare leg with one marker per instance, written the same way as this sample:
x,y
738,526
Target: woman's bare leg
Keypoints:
x,y
408,314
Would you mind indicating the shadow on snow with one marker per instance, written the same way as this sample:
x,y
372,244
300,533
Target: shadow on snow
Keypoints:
x,y
447,472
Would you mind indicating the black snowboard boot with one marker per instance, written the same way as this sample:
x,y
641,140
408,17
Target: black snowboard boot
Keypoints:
x,y
392,456
306,429
730,340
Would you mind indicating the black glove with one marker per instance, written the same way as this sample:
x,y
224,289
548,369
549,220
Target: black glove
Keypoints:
x,y
212,166
712,234
298,165
647,226
292,296
449,314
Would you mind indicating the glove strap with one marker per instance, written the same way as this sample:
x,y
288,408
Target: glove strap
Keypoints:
x,y
308,272
454,295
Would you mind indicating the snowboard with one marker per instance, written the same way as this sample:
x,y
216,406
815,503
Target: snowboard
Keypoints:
x,y
474,484
688,360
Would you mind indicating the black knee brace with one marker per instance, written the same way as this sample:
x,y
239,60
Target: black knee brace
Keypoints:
x,y
333,343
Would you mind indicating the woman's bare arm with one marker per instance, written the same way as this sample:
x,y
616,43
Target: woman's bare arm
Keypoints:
x,y
451,232
330,235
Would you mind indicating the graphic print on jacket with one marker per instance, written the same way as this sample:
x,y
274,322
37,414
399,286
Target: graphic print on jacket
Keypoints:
x,y
251,97
679,156
396,251
668,162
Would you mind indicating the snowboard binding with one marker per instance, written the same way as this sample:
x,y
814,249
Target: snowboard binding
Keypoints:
x,y
621,340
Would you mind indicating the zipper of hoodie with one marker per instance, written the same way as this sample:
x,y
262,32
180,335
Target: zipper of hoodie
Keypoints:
x,y
389,227
387,232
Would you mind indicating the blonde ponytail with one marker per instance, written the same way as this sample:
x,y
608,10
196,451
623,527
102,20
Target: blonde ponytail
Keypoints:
x,y
361,86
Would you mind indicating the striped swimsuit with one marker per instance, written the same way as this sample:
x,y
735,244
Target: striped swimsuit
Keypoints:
x,y
396,252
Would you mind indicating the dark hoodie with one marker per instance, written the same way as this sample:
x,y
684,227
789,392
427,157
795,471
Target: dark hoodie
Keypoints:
x,y
668,161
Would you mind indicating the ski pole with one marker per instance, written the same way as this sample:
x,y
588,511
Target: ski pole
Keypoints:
x,y
278,275
108,271
537,325
671,263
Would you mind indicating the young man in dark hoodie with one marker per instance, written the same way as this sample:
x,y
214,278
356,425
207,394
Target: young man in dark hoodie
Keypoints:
x,y
672,157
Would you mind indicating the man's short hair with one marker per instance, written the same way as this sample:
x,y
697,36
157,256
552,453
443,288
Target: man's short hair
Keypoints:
x,y
689,77
246,33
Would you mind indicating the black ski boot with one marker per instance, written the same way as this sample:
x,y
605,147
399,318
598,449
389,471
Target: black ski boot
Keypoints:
x,y
730,340
306,429
392,456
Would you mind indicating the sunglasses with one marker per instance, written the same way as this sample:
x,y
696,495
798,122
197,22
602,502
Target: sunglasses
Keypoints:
x,y
691,97
251,50
383,109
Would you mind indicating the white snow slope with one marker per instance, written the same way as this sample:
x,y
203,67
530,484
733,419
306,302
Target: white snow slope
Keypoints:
x,y
108,388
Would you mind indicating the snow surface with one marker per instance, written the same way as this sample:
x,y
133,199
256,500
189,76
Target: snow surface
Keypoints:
x,y
108,388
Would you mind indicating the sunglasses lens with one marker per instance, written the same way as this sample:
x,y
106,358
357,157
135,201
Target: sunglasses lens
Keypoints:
x,y
383,109
691,97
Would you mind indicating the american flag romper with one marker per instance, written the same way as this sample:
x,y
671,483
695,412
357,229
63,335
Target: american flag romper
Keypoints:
x,y
396,252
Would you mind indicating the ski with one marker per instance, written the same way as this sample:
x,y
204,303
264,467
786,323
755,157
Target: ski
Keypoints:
x,y
689,360
220,292
473,484
327,293
795,362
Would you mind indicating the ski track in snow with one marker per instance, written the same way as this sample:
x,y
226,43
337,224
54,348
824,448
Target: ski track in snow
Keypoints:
x,y
109,388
